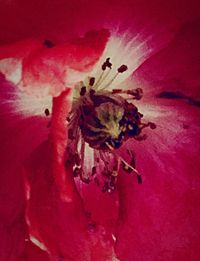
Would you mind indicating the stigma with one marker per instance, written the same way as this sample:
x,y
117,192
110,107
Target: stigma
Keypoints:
x,y
101,121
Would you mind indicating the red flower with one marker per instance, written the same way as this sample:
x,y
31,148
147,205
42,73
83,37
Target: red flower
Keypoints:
x,y
46,213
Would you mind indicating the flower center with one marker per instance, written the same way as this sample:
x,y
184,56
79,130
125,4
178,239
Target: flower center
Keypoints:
x,y
103,119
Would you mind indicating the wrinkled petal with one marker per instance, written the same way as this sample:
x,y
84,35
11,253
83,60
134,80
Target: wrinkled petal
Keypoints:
x,y
48,70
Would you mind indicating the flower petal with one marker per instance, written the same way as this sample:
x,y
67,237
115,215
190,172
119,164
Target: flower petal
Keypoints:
x,y
160,219
48,70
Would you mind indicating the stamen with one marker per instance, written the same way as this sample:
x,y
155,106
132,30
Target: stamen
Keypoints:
x,y
103,122
121,69
105,65
149,124
136,93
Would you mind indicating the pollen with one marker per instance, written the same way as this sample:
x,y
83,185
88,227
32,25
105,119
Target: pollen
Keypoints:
x,y
100,122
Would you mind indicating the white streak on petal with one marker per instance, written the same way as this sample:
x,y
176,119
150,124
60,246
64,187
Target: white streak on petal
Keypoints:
x,y
12,69
30,105
89,159
121,50
38,243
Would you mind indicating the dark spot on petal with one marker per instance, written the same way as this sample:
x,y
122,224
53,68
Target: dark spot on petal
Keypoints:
x,y
48,43
170,95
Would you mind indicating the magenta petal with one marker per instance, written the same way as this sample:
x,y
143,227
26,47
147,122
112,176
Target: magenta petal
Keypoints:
x,y
160,219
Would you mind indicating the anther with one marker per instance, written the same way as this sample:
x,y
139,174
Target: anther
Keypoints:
x,y
47,112
91,81
106,64
152,125
137,93
83,91
122,68
94,170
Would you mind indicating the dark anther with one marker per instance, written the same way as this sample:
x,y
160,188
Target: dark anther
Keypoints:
x,y
76,172
139,179
137,93
92,81
83,91
116,91
115,143
152,125
68,119
47,113
48,43
106,64
133,129
122,68
94,170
